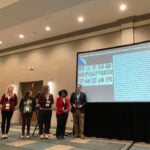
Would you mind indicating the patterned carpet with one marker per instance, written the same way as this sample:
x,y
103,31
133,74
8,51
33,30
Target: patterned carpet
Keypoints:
x,y
69,143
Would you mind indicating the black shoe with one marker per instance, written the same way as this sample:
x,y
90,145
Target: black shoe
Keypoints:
x,y
76,136
58,137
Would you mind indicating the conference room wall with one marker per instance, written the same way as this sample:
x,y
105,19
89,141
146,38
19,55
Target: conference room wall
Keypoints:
x,y
142,33
56,62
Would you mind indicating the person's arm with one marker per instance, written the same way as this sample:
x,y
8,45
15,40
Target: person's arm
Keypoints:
x,y
2,101
72,102
36,98
20,105
33,104
15,99
67,105
52,98
84,101
59,105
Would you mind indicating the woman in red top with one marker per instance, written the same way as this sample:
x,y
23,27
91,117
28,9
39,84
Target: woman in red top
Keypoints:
x,y
62,110
7,105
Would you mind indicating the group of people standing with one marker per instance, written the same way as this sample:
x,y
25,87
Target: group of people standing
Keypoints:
x,y
43,103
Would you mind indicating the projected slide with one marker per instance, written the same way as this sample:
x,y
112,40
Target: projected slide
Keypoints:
x,y
116,75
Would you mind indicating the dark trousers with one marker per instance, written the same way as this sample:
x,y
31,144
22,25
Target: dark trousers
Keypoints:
x,y
44,121
26,120
6,118
61,124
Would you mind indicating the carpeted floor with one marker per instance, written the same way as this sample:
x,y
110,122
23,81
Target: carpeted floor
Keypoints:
x,y
69,143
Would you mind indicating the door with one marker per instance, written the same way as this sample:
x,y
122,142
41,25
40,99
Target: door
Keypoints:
x,y
35,87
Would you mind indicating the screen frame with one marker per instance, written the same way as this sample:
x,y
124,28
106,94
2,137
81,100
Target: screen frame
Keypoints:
x,y
108,48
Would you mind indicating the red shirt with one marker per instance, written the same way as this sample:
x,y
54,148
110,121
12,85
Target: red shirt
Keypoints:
x,y
8,104
60,105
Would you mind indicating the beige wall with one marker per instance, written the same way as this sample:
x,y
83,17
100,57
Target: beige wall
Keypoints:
x,y
142,33
59,62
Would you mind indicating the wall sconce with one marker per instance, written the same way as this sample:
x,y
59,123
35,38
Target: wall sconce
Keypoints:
x,y
51,86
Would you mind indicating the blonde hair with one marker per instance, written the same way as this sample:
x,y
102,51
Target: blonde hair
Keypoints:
x,y
8,92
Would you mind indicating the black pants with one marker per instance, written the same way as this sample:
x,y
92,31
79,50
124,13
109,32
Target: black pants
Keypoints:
x,y
6,118
44,121
61,124
26,120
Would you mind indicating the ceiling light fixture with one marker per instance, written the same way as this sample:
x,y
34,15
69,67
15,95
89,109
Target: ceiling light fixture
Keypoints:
x,y
1,42
21,36
47,28
80,19
123,7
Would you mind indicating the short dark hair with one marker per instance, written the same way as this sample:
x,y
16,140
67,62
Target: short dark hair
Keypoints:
x,y
27,93
63,91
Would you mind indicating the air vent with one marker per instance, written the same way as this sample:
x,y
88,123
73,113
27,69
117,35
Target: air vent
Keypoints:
x,y
5,3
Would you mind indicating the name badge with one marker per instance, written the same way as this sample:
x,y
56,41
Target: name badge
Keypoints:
x,y
7,106
47,105
27,109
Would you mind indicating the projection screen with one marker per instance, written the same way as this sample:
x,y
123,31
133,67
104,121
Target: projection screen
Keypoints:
x,y
119,74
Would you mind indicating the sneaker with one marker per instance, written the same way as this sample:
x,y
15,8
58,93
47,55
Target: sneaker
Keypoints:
x,y
82,137
6,136
3,136
46,136
27,137
41,137
22,137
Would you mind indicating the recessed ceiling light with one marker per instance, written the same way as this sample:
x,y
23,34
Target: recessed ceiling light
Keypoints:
x,y
47,28
123,7
1,42
80,19
21,36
